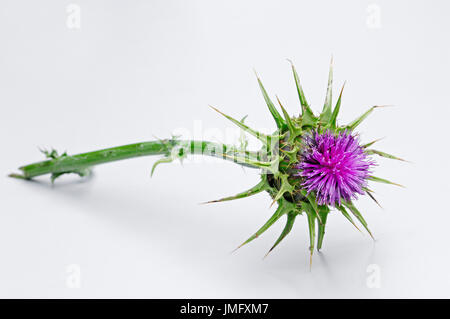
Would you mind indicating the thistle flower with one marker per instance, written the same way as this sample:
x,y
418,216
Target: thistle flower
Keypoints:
x,y
333,166
309,165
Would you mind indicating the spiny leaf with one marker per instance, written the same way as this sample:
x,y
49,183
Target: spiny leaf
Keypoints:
x,y
383,154
160,161
336,110
358,120
325,116
276,116
358,215
285,187
308,117
261,186
371,143
291,154
293,130
368,192
281,210
287,228
347,215
260,136
312,201
382,180
323,212
271,166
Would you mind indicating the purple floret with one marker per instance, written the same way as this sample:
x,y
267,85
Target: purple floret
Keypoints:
x,y
335,167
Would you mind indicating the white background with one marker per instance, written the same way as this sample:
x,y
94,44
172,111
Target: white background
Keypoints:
x,y
139,69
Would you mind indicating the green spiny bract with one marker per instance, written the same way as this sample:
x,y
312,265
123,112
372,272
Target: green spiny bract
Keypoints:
x,y
280,156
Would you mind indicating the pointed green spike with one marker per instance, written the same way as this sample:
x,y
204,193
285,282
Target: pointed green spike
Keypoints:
x,y
258,188
347,215
18,176
358,120
312,201
368,192
312,232
160,161
260,136
285,187
358,216
336,110
325,116
271,166
371,143
383,154
323,212
287,228
281,210
276,116
382,180
291,154
293,130
54,176
308,117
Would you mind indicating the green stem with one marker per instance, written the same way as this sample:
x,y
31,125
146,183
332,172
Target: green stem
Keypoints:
x,y
79,162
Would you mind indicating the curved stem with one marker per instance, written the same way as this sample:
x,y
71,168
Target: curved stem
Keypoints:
x,y
169,147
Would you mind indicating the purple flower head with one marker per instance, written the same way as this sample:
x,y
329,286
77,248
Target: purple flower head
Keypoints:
x,y
335,167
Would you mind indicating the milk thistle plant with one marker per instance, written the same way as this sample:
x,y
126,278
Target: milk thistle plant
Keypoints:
x,y
309,164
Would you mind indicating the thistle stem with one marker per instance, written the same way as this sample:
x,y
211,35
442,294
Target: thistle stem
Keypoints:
x,y
172,148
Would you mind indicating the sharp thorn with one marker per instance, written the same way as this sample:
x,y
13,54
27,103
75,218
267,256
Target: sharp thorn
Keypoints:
x,y
267,253
234,250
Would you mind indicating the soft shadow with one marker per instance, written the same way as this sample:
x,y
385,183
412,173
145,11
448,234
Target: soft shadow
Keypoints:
x,y
158,218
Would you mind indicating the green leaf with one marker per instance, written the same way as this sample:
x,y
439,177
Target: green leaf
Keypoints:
x,y
261,186
287,229
325,116
358,216
276,116
336,110
308,117
383,154
382,180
